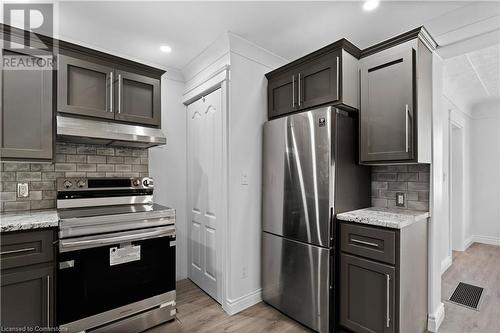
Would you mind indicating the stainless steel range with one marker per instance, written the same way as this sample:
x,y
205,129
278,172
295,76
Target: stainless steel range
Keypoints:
x,y
116,256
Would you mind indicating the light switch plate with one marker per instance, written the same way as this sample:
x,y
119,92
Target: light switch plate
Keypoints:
x,y
400,199
22,190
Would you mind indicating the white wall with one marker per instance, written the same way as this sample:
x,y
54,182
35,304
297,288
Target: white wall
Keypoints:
x,y
435,306
485,173
457,190
167,164
247,112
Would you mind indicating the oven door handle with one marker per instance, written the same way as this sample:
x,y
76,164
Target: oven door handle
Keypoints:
x,y
100,240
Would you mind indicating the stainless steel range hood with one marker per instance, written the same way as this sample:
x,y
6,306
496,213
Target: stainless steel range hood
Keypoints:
x,y
79,130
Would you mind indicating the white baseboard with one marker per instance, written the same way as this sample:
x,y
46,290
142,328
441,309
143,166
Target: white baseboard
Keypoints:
x,y
445,264
484,240
436,319
233,306
468,242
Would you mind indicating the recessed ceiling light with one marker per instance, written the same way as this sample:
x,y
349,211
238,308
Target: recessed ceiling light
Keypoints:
x,y
370,4
165,48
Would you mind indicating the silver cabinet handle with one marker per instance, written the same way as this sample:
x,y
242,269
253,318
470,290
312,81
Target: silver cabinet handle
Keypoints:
x,y
407,110
388,295
299,89
338,77
119,93
293,91
28,249
110,91
48,300
363,242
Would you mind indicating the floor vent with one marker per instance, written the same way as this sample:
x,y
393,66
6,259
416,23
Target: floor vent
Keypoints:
x,y
467,295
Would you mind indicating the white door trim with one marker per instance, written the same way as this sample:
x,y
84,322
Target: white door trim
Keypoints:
x,y
459,125
219,79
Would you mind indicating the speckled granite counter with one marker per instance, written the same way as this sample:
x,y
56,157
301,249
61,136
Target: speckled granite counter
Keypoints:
x,y
384,217
28,220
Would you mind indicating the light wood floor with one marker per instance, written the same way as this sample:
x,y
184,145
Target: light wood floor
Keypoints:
x,y
480,266
197,312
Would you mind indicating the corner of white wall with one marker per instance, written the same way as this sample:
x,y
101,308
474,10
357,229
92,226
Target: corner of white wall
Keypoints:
x,y
435,306
247,114
167,164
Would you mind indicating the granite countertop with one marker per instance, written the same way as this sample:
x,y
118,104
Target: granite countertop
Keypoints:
x,y
28,220
385,217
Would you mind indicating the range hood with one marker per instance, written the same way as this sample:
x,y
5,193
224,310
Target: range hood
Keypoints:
x,y
79,130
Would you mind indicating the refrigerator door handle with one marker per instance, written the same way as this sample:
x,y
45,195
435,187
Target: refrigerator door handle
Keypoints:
x,y
332,226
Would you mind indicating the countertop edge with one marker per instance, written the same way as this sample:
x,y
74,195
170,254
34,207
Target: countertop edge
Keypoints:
x,y
28,220
381,221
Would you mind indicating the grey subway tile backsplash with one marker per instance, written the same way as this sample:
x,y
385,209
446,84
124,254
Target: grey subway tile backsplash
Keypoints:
x,y
96,159
412,180
15,206
115,160
71,160
76,158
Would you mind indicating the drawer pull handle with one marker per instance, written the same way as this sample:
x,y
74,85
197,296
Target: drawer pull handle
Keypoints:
x,y
111,91
300,96
29,249
363,242
387,309
407,110
338,78
48,300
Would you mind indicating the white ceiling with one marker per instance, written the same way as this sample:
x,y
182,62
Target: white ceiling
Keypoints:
x,y
474,77
289,29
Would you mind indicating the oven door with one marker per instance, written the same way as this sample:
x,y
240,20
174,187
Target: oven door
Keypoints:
x,y
104,272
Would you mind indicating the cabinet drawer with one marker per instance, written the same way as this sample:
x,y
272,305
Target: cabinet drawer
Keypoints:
x,y
368,242
26,248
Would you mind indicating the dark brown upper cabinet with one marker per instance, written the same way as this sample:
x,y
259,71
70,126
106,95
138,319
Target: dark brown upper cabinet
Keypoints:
x,y
96,88
395,111
26,118
138,98
84,88
327,76
319,81
282,94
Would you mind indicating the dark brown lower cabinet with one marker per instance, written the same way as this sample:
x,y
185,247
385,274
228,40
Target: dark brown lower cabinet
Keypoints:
x,y
27,298
27,290
367,295
383,278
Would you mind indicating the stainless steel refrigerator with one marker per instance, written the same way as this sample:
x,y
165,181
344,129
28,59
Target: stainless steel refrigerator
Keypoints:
x,y
310,173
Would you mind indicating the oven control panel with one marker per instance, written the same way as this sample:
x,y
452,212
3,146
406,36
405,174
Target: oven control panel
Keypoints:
x,y
92,184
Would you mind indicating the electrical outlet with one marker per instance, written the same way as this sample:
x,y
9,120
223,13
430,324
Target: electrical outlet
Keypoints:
x,y
244,179
400,199
22,190
244,273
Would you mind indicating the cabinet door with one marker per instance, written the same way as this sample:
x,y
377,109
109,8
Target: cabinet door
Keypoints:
x,y
27,297
319,81
387,108
138,99
282,94
27,108
84,88
366,295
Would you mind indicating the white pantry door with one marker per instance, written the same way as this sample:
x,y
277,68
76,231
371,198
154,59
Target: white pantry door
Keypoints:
x,y
204,190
